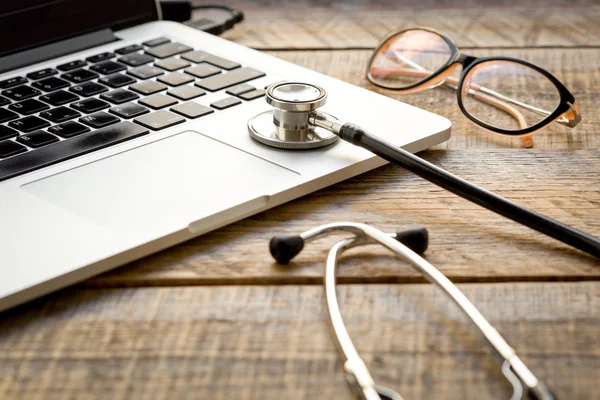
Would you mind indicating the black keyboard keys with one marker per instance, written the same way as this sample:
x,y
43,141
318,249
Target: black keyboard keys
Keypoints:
x,y
44,73
6,115
37,139
68,129
100,57
21,92
234,77
30,106
128,49
136,59
156,42
128,110
71,65
59,98
119,96
80,75
60,114
99,120
168,50
29,124
51,84
68,149
117,80
9,148
87,89
4,101
108,67
12,82
90,105
159,120
201,56
6,132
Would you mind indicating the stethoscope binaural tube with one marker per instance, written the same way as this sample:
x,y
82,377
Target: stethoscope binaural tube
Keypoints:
x,y
299,103
405,244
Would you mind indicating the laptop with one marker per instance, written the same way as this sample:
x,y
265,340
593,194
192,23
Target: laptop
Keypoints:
x,y
121,135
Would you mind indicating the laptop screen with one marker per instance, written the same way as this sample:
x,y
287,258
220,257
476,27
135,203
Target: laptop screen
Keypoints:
x,y
28,23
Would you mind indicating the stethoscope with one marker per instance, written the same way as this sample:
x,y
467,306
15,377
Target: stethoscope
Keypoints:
x,y
406,244
295,123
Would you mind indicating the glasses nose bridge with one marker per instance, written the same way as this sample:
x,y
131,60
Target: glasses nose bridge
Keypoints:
x,y
465,60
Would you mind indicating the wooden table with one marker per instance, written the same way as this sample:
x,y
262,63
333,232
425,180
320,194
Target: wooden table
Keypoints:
x,y
215,318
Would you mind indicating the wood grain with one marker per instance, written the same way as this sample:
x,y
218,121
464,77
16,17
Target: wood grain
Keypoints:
x,y
305,24
271,342
468,243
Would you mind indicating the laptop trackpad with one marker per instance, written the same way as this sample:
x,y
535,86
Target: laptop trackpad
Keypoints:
x,y
165,185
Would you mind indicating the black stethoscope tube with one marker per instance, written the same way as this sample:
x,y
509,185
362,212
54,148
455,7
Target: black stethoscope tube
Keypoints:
x,y
566,234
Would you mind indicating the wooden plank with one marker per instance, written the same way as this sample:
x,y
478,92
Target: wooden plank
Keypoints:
x,y
468,243
361,24
576,68
271,342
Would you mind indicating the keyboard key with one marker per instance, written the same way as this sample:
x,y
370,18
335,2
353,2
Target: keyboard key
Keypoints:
x,y
107,55
239,89
29,124
176,79
234,77
172,64
68,129
254,94
186,92
128,49
119,96
44,73
68,149
9,148
12,82
128,110
203,70
21,92
59,98
159,120
225,103
145,72
117,80
6,132
51,84
136,59
90,105
108,67
156,42
157,101
148,87
192,110
6,115
30,106
80,75
37,139
168,50
99,120
201,56
71,65
88,89
4,101
60,114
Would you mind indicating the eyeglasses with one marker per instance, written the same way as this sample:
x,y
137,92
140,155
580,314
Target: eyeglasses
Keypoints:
x,y
406,244
504,95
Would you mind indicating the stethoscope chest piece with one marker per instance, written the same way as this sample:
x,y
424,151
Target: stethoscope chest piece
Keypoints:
x,y
286,126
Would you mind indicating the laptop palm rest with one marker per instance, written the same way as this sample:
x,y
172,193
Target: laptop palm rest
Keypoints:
x,y
164,185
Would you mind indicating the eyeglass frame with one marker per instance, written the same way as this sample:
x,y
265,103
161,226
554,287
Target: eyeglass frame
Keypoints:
x,y
567,108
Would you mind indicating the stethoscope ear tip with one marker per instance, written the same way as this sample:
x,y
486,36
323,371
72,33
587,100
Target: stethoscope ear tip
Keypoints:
x,y
284,248
416,239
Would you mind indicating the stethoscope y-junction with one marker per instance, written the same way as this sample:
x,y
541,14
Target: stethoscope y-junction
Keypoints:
x,y
405,244
296,123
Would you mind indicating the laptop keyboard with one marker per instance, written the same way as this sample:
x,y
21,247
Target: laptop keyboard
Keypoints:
x,y
78,107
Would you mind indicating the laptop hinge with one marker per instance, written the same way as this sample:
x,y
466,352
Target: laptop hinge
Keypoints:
x,y
56,49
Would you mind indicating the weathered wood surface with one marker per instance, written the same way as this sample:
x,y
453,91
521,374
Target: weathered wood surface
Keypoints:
x,y
272,342
468,243
302,24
